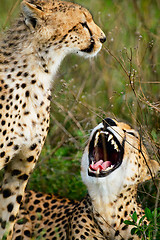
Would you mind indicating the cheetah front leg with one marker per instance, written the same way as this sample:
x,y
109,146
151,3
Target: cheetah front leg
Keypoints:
x,y
13,186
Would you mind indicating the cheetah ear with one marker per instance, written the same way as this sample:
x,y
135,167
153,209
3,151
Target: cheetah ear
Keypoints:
x,y
32,14
154,168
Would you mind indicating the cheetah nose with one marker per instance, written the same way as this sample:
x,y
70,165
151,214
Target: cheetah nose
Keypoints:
x,y
102,40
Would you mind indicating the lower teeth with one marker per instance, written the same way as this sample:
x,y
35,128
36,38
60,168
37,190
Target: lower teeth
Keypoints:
x,y
109,168
98,170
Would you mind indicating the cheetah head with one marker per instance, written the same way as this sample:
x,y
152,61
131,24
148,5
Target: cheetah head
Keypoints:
x,y
63,26
115,157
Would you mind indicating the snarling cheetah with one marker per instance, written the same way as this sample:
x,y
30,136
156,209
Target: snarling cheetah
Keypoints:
x,y
30,53
114,163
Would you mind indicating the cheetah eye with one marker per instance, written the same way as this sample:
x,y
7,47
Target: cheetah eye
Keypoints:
x,y
84,25
133,134
39,8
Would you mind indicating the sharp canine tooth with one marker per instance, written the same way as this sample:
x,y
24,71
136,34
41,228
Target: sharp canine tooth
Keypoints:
x,y
110,137
96,138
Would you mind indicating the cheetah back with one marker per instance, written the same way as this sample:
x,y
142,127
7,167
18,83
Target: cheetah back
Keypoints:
x,y
49,217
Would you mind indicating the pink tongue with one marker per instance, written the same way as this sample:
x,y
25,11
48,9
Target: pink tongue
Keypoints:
x,y
101,165
106,164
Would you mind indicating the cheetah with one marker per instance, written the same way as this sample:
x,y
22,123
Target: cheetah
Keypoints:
x,y
30,54
114,162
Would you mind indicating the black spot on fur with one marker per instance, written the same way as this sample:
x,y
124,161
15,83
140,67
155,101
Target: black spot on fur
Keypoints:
x,y
23,177
6,193
27,233
16,172
19,199
30,159
116,233
33,146
10,207
11,218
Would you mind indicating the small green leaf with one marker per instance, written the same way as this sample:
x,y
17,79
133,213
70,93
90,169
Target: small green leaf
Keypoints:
x,y
134,217
148,214
127,222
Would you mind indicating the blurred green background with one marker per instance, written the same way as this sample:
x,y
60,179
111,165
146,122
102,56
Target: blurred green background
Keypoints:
x,y
121,82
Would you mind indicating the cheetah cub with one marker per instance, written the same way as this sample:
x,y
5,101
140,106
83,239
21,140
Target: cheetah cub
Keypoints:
x,y
114,163
30,54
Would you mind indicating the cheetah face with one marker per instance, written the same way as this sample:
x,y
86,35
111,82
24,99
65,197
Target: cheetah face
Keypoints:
x,y
116,156
62,26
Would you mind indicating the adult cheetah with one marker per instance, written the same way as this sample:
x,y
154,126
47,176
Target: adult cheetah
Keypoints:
x,y
30,54
114,163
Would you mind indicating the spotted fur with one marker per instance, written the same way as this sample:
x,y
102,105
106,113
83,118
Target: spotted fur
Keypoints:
x,y
111,200
30,53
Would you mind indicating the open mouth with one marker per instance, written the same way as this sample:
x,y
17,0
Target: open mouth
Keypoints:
x,y
105,154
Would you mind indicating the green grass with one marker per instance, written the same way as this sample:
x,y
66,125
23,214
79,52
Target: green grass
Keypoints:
x,y
121,82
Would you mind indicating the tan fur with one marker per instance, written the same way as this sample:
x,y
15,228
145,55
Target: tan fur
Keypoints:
x,y
30,54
